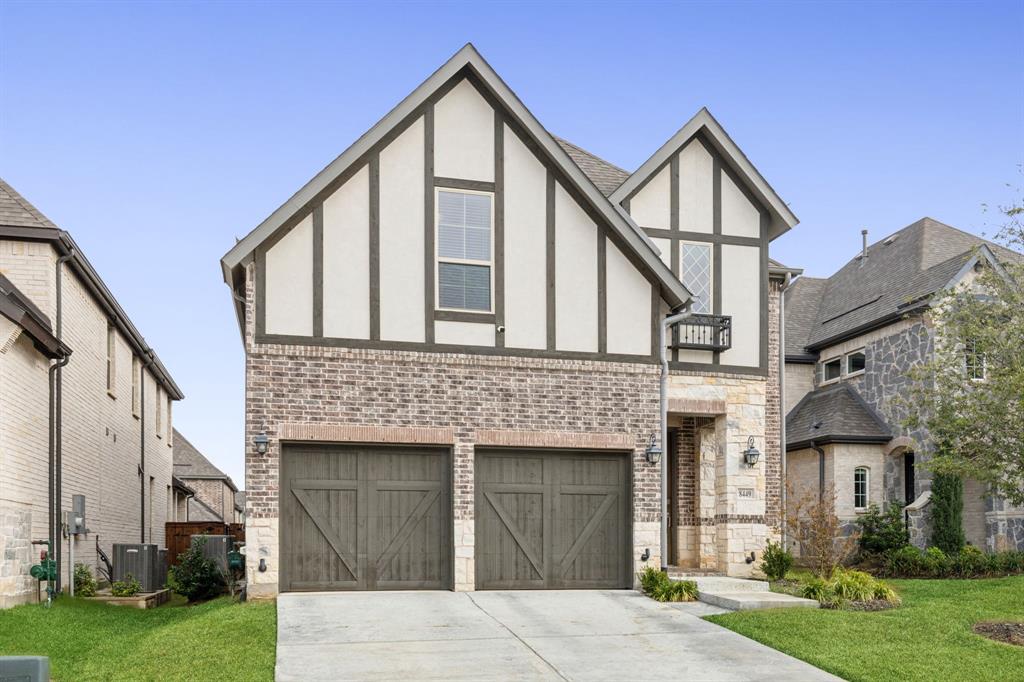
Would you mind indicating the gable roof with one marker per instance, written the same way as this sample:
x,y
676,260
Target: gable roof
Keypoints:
x,y
605,176
469,59
901,272
19,309
782,219
190,464
21,221
200,511
834,414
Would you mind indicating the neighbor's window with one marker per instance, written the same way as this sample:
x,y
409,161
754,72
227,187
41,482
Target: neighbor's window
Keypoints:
x,y
831,370
136,372
158,419
860,488
695,272
111,340
974,361
465,255
170,427
855,362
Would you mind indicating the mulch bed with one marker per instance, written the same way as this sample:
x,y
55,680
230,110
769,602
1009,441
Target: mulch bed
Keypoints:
x,y
1008,633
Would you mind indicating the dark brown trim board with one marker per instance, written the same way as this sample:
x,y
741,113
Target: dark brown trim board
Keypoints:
x,y
429,255
318,270
463,316
499,229
551,260
602,292
460,183
375,246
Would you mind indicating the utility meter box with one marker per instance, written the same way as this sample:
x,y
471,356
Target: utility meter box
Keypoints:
x,y
75,519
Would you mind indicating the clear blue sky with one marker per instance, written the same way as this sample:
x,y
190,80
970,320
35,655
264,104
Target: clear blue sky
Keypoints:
x,y
156,133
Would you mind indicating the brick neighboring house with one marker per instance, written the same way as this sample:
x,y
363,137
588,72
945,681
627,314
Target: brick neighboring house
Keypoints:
x,y
214,495
850,340
112,404
452,356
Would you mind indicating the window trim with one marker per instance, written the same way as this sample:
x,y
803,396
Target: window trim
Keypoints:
x,y
111,359
867,488
136,380
846,363
438,259
157,420
825,380
980,359
711,269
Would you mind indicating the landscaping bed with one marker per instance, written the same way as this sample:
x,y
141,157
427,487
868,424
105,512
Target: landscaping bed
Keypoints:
x,y
931,636
86,640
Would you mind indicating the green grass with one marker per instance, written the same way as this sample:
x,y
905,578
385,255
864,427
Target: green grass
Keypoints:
x,y
217,640
928,638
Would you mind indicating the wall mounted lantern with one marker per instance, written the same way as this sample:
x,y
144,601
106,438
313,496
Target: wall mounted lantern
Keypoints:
x,y
751,454
261,441
653,451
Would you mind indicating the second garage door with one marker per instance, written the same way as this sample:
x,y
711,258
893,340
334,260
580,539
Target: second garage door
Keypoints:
x,y
552,520
362,517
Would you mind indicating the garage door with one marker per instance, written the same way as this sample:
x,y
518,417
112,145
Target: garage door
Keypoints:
x,y
551,520
359,517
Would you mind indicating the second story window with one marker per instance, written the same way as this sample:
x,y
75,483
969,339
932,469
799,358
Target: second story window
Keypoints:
x,y
111,359
158,418
695,272
831,370
465,254
136,378
855,362
974,361
860,488
170,426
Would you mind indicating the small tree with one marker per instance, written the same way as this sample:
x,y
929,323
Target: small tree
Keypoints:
x,y
881,533
947,507
195,576
970,395
812,521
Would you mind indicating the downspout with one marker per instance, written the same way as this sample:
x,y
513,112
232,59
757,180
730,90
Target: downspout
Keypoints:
x,y
668,322
52,429
57,423
142,444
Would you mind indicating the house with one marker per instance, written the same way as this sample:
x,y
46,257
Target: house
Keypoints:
x,y
67,349
850,340
214,495
453,356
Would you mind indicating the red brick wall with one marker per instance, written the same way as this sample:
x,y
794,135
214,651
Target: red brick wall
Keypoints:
x,y
773,415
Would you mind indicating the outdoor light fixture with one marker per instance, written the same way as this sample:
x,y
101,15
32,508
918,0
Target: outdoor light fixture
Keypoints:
x,y
653,450
261,441
751,454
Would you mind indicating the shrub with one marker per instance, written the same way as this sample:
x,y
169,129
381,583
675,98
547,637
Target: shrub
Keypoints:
x,y
881,533
776,561
947,508
195,577
85,583
813,522
129,587
660,587
847,586
935,562
969,562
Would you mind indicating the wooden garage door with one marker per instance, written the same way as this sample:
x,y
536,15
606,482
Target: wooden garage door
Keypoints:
x,y
359,517
552,520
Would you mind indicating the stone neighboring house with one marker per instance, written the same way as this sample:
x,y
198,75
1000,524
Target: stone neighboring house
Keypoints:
x,y
215,497
850,340
109,437
452,356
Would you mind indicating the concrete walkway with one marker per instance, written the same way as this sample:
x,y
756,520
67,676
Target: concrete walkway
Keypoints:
x,y
521,635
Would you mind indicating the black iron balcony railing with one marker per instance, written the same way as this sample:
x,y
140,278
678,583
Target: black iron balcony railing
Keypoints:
x,y
704,332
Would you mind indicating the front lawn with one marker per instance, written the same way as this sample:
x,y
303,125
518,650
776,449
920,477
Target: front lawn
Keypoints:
x,y
928,638
218,640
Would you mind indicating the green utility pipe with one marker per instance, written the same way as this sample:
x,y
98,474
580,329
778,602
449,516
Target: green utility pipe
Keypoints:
x,y
46,570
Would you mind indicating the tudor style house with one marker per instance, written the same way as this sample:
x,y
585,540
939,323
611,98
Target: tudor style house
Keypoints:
x,y
850,340
85,408
214,496
452,356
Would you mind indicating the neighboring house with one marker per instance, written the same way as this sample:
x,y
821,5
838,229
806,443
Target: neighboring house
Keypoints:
x,y
215,496
111,429
180,495
850,341
452,355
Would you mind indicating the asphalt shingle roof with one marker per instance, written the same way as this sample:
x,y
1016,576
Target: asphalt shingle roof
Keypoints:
x,y
16,211
834,414
606,176
189,463
904,268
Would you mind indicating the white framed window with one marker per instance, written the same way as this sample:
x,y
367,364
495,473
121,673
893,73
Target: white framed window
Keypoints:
x,y
831,370
974,361
855,362
158,419
136,377
464,250
111,358
170,426
861,477
696,272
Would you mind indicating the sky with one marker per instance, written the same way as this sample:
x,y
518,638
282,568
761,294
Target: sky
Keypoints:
x,y
157,133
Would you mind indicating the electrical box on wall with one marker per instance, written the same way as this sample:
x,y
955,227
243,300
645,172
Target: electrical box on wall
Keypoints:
x,y
75,519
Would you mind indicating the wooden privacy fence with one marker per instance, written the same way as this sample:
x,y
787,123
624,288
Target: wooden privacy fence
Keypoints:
x,y
179,534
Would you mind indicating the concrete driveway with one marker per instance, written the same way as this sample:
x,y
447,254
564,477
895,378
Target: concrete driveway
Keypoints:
x,y
521,635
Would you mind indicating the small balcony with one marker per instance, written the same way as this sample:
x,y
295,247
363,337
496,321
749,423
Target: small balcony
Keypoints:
x,y
702,331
